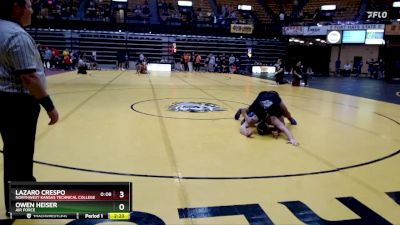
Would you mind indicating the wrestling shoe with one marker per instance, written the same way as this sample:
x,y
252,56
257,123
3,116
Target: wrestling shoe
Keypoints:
x,y
293,121
237,114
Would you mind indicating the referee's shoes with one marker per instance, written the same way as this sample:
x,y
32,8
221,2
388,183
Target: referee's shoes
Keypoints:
x,y
7,222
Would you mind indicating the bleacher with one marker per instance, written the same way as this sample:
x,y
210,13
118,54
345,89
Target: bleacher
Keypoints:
x,y
204,5
133,16
49,10
264,11
205,46
288,6
203,11
171,15
346,10
259,11
230,7
379,5
52,38
154,47
97,10
273,5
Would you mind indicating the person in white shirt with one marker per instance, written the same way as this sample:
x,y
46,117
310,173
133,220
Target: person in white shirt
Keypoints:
x,y
211,63
347,69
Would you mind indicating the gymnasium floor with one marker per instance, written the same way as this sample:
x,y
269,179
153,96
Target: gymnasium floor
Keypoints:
x,y
195,168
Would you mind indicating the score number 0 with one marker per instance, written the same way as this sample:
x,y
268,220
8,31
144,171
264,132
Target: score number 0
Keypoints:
x,y
121,195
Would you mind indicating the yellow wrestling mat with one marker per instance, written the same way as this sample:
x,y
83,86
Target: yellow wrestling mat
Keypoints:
x,y
196,168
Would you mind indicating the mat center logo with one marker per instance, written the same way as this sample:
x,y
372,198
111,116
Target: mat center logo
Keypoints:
x,y
195,107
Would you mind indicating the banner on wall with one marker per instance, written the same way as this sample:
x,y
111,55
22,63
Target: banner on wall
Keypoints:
x,y
315,30
392,29
323,30
357,27
293,30
242,28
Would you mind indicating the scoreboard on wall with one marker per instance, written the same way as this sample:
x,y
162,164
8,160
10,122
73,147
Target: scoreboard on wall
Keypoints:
x,y
70,200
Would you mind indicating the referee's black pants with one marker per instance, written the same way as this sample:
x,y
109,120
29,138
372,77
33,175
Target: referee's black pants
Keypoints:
x,y
18,119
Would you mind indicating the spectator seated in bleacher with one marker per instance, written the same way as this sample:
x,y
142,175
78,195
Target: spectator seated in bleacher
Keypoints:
x,y
146,11
227,15
164,15
164,60
175,15
137,11
91,10
168,13
53,9
202,16
186,15
162,5
170,6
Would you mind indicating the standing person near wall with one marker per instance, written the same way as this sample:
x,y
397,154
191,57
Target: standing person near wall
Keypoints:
x,y
371,68
22,91
337,67
358,64
197,62
280,72
381,69
47,58
121,60
186,60
307,75
211,63
191,62
126,66
297,74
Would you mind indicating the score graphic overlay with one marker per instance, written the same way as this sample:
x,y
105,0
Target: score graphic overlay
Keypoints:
x,y
70,200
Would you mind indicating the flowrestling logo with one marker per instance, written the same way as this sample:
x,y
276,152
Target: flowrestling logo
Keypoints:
x,y
377,14
194,107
